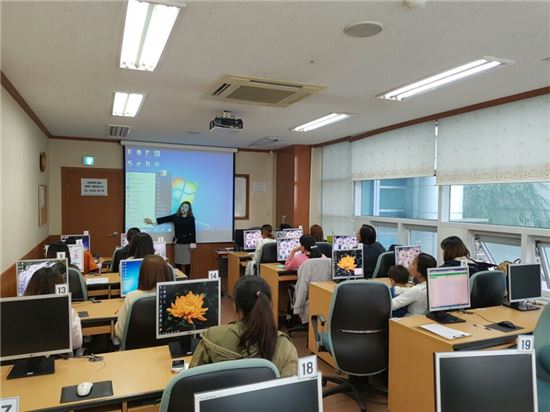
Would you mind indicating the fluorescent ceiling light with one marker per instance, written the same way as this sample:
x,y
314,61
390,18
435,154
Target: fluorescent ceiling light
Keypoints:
x,y
320,122
127,104
146,32
446,77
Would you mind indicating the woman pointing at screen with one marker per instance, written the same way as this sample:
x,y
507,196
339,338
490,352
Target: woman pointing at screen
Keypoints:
x,y
185,238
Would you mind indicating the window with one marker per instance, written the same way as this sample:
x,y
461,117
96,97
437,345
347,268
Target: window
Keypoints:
x,y
510,204
493,249
387,235
543,249
411,198
426,237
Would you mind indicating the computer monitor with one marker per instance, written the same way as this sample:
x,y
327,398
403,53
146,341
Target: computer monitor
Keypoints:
x,y
160,248
129,275
347,264
284,394
27,268
524,282
77,256
345,242
294,232
187,307
284,246
448,289
80,238
239,238
123,240
31,328
252,238
405,255
488,381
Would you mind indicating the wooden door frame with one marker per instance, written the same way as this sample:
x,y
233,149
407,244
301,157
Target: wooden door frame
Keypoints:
x,y
66,170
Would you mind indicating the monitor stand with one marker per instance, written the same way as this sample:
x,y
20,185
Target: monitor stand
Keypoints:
x,y
522,306
40,365
443,317
184,346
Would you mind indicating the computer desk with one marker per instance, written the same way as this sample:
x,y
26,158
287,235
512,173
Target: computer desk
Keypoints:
x,y
135,374
271,273
320,295
411,352
102,315
234,268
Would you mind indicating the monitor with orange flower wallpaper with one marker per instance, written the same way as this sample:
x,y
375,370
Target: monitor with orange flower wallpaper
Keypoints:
x,y
187,307
347,264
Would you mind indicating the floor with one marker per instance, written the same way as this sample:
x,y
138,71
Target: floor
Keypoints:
x,y
334,403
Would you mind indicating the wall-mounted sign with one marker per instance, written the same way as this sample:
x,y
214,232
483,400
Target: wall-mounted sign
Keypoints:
x,y
93,187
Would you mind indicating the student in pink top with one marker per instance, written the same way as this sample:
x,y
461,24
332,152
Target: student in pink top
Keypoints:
x,y
302,252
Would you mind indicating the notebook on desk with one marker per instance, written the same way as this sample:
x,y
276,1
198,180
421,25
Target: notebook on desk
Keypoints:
x,y
97,281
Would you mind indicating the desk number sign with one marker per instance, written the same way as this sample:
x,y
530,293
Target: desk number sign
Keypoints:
x,y
307,366
9,404
213,274
61,289
526,343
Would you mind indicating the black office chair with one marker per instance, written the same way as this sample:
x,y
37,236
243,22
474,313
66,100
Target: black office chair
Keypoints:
x,y
77,285
269,253
140,328
325,248
487,288
385,261
179,395
356,335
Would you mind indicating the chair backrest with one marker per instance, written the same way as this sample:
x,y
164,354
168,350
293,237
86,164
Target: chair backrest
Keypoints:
x,y
317,270
385,261
77,285
325,248
179,394
487,288
542,344
358,326
269,253
140,327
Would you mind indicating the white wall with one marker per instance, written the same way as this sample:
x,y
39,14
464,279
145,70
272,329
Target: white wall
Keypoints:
x,y
21,144
68,153
260,166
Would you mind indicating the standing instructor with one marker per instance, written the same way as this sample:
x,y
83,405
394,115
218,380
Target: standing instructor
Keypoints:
x,y
185,238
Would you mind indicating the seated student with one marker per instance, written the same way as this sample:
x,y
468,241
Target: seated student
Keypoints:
x,y
371,249
55,248
89,262
253,335
455,253
416,298
284,226
141,246
43,282
317,232
122,253
399,277
302,252
153,269
267,237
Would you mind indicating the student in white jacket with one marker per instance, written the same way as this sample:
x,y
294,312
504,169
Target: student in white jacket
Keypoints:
x,y
416,298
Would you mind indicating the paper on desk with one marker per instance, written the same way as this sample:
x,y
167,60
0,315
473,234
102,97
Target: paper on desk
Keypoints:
x,y
97,281
444,331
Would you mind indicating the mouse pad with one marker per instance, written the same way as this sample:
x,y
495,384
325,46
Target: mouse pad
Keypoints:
x,y
99,390
502,328
83,314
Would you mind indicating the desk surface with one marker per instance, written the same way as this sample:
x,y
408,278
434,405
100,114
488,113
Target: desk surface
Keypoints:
x,y
114,277
133,373
106,309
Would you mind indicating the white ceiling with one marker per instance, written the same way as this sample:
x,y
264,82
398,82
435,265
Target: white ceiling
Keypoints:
x,y
63,59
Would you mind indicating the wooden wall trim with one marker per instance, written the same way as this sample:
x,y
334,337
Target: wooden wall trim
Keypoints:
x,y
478,106
7,277
10,88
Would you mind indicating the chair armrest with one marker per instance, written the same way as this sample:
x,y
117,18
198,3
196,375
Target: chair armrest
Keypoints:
x,y
315,319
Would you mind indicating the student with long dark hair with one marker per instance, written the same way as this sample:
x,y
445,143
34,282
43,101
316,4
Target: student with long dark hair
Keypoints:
x,y
186,236
253,335
455,253
141,245
302,252
317,232
43,282
122,253
372,249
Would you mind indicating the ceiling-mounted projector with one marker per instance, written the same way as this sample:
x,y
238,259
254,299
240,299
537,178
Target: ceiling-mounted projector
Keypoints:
x,y
226,120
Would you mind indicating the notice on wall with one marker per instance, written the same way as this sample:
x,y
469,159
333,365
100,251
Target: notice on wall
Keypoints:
x,y
93,187
259,187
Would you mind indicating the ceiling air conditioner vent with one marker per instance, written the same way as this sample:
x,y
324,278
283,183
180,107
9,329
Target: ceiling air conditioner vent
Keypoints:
x,y
115,130
258,91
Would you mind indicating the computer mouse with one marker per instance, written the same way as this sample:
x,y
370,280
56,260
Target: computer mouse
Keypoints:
x,y
506,324
84,388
